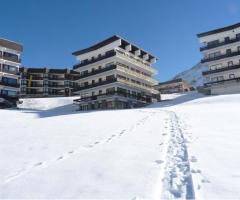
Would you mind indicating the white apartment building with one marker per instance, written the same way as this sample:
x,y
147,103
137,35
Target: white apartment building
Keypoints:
x,y
9,70
115,74
221,51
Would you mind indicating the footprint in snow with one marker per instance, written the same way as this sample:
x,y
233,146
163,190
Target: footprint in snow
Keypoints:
x,y
60,158
70,152
193,159
38,164
159,162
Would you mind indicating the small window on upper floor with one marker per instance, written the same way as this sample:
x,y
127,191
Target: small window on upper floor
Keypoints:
x,y
231,76
238,48
228,51
230,63
238,35
226,39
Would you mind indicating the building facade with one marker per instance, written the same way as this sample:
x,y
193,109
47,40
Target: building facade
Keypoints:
x,y
115,74
9,71
44,82
221,51
174,86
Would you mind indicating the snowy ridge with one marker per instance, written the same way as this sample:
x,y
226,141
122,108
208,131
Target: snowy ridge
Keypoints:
x,y
193,75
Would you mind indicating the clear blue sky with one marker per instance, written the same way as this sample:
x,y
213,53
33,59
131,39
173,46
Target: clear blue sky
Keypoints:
x,y
51,30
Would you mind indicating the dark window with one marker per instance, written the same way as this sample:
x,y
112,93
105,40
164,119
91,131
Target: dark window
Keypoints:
x,y
228,51
226,39
230,63
93,81
109,78
100,92
100,80
238,35
85,83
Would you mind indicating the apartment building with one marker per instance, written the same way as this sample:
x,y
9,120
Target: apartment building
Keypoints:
x,y
45,82
115,74
174,86
221,51
9,71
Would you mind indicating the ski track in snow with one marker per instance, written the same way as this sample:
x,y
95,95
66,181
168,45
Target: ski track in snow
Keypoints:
x,y
42,164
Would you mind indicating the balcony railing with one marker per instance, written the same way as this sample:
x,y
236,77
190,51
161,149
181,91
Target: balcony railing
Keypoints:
x,y
16,85
107,55
220,57
98,71
56,86
221,69
33,77
10,72
211,46
56,78
35,85
10,58
221,81
95,84
118,93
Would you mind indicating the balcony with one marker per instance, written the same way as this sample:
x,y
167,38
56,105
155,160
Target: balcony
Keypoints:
x,y
97,71
16,85
33,77
56,78
10,72
95,84
114,93
211,46
237,79
9,98
35,85
221,70
56,86
10,58
107,55
204,60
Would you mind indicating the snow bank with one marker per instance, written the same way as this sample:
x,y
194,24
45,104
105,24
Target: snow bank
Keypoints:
x,y
45,103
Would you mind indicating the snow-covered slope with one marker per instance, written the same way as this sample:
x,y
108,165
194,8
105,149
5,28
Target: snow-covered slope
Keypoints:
x,y
177,149
45,103
193,75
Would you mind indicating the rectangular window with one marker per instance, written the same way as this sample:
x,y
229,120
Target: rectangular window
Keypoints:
x,y
238,36
230,63
226,39
228,51
238,48
231,76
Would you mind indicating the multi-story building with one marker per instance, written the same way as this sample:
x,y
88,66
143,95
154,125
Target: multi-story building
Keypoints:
x,y
221,50
174,86
44,82
9,71
115,74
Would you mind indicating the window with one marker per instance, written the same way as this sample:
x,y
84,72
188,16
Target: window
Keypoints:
x,y
238,48
228,51
230,63
110,90
9,93
100,80
231,76
226,39
93,81
93,93
100,92
109,78
238,36
212,43
100,67
85,83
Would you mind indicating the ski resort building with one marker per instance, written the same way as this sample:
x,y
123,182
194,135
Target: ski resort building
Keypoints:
x,y
174,86
115,74
9,71
44,82
221,51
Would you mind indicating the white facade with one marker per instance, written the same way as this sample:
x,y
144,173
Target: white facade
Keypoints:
x,y
115,68
221,51
9,69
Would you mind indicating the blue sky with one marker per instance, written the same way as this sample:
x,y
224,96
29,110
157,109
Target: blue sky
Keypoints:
x,y
51,30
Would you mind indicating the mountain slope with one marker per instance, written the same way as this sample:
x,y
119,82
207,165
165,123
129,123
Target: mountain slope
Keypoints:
x,y
193,75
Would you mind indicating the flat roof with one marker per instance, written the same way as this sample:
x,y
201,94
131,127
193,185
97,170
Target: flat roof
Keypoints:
x,y
171,81
219,30
11,44
106,42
